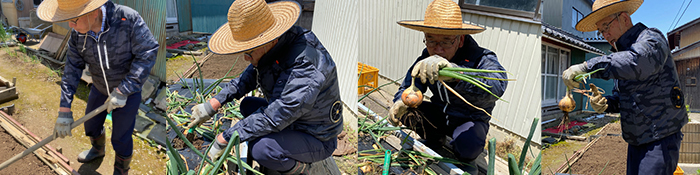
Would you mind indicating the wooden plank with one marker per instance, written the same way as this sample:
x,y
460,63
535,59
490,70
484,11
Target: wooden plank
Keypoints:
x,y
51,42
193,68
46,154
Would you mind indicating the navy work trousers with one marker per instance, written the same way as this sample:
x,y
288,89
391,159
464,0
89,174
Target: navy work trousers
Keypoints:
x,y
468,137
281,150
123,120
658,157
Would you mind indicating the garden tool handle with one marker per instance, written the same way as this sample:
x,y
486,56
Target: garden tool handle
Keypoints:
x,y
51,138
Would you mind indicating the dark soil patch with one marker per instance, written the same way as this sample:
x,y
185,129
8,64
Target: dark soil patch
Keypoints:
x,y
197,143
612,149
29,164
217,65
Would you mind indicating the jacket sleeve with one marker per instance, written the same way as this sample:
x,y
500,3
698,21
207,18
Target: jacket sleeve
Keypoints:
x,y
297,98
238,87
644,58
613,102
144,48
71,74
475,94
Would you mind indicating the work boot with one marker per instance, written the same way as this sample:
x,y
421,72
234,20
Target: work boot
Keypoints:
x,y
299,168
97,150
121,164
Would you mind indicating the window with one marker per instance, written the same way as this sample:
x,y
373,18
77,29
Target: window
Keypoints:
x,y
554,61
575,17
520,8
690,81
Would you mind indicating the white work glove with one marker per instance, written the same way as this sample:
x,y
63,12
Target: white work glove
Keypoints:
x,y
598,102
217,149
428,69
397,110
569,74
200,114
62,127
115,100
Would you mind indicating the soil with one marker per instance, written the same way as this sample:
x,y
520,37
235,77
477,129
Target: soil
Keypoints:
x,y
595,158
29,164
197,143
217,66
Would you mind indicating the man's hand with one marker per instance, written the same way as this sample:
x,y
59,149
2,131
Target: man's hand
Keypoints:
x,y
62,127
116,100
201,113
217,147
569,74
398,109
428,69
598,102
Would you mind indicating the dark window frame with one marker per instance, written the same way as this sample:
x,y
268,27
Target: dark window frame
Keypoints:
x,y
503,11
691,81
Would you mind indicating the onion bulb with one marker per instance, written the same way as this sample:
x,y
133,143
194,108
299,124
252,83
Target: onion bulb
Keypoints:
x,y
567,104
411,96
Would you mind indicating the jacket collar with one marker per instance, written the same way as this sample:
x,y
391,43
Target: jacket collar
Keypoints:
x,y
469,54
629,37
286,49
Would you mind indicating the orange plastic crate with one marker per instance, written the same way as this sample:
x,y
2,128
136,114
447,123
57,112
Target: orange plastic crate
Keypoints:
x,y
369,76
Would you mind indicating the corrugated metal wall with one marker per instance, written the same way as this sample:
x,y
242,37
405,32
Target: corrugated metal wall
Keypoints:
x,y
153,13
335,24
393,49
518,46
207,16
184,15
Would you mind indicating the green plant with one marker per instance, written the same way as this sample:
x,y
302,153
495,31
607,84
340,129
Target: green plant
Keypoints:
x,y
3,34
516,167
22,48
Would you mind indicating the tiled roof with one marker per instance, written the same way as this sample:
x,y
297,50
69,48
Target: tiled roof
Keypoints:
x,y
568,38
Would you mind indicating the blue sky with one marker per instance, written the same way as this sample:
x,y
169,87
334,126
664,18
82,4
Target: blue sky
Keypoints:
x,y
660,13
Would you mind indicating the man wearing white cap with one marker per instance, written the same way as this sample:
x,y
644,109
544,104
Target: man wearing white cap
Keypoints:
x,y
646,93
120,51
449,43
298,121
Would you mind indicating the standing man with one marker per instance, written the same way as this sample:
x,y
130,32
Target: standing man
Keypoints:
x,y
646,93
449,44
298,121
120,51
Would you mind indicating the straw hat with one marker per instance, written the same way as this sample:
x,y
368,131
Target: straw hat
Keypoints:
x,y
61,10
252,23
605,8
442,17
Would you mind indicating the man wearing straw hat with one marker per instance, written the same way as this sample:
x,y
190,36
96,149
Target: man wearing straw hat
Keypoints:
x,y
120,51
298,121
449,44
646,93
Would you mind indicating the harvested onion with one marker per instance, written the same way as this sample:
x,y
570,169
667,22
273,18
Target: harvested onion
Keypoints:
x,y
567,104
411,96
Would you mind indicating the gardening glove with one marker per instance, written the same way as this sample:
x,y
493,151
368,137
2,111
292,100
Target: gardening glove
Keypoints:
x,y
116,100
62,127
397,110
201,113
217,149
428,69
569,74
598,102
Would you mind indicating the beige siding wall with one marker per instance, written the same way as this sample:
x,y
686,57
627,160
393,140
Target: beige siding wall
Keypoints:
x,y
393,49
689,54
335,24
690,35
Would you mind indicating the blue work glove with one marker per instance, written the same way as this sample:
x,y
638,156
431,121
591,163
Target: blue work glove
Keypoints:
x,y
200,114
115,100
62,127
428,69
569,74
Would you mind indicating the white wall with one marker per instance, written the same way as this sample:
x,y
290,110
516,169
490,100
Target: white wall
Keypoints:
x,y
335,25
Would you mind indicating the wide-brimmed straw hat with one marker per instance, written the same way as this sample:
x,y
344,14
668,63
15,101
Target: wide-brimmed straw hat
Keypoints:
x,y
605,8
252,23
61,10
442,17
